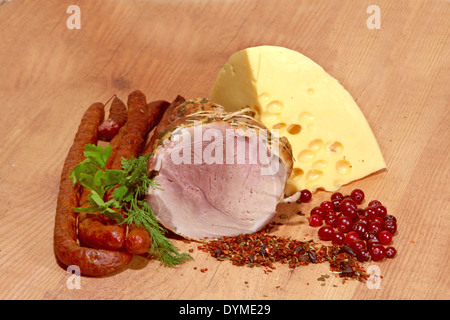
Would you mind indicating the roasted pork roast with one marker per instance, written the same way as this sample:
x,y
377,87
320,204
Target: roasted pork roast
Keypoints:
x,y
219,174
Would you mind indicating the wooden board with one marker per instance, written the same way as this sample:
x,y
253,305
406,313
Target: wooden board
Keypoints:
x,y
398,74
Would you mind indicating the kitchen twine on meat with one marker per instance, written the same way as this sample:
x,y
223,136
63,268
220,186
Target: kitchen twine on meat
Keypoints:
x,y
249,146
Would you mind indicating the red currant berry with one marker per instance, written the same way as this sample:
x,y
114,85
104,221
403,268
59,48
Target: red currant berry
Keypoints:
x,y
305,196
390,217
344,224
357,196
378,220
363,255
358,245
362,220
347,202
385,237
377,252
327,205
349,212
360,212
375,228
330,219
390,252
374,203
338,238
365,236
326,233
370,213
336,205
337,196
371,242
350,237
315,220
391,226
381,210
318,210
360,228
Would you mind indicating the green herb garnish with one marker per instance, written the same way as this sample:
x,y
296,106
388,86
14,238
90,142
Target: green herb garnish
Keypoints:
x,y
129,187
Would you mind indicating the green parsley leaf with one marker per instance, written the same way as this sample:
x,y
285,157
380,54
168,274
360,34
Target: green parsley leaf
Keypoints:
x,y
97,199
120,192
97,154
87,209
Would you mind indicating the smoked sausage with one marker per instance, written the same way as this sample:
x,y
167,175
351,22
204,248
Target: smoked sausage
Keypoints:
x,y
95,232
129,142
92,262
160,126
116,119
156,111
138,241
99,232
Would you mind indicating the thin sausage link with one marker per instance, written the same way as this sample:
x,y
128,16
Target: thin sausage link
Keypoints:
x,y
118,115
92,262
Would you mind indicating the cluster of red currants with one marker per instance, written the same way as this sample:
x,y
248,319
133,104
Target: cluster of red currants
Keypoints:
x,y
368,231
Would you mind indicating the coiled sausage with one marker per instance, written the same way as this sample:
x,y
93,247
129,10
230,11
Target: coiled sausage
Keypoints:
x,y
92,262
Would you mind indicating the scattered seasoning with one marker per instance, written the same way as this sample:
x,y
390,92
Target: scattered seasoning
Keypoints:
x,y
323,277
348,250
312,257
262,249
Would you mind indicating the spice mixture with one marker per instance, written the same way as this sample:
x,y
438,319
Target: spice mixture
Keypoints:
x,y
263,249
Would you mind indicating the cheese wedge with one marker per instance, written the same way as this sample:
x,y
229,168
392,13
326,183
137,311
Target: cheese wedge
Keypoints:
x,y
331,139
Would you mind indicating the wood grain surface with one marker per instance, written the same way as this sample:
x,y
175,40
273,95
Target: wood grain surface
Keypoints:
x,y
49,75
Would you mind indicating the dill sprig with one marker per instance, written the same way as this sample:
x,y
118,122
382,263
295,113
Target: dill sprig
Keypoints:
x,y
129,188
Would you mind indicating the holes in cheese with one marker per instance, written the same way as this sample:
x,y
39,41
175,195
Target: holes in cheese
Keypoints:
x,y
294,129
343,167
316,144
279,126
306,156
331,139
336,148
275,107
257,110
320,164
296,172
313,175
264,97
